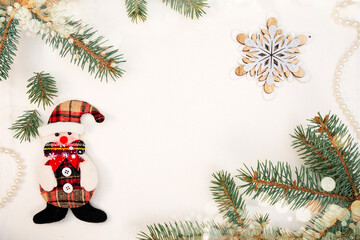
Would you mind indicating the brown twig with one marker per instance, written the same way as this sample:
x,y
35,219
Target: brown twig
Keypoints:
x,y
41,85
233,206
193,5
302,137
333,223
102,61
296,188
77,42
336,148
28,123
136,7
349,230
3,38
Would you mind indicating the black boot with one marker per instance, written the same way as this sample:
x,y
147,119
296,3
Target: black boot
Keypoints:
x,y
88,213
50,214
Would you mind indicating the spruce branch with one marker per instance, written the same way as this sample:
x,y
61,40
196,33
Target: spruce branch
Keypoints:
x,y
9,38
26,125
330,224
188,231
355,230
42,89
227,195
331,127
230,202
84,47
276,182
190,8
136,9
327,148
214,231
262,219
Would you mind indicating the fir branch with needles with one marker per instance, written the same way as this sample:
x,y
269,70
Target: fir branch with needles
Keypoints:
x,y
42,89
60,32
136,9
262,219
9,38
189,230
237,226
328,150
331,224
85,49
229,201
26,125
190,8
274,183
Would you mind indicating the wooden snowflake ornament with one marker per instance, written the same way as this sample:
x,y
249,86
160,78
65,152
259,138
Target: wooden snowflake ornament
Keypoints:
x,y
271,56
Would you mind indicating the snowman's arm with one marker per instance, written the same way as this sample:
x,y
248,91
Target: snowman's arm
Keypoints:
x,y
88,175
47,178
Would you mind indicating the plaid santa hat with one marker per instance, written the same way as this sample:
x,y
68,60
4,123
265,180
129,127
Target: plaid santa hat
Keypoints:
x,y
66,117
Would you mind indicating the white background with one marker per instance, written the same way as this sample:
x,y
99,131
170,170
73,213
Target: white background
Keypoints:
x,y
176,116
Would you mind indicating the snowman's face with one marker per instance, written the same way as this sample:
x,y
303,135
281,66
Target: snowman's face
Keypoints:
x,y
61,137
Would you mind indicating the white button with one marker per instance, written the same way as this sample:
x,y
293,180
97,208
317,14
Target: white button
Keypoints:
x,y
71,148
73,156
68,188
66,172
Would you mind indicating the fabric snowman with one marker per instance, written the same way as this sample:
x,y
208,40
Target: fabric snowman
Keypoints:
x,y
68,177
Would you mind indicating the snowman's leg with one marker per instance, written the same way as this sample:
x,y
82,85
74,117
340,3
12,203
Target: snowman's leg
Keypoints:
x,y
88,213
50,214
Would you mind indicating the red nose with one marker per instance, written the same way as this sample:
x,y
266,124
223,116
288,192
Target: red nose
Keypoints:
x,y
63,139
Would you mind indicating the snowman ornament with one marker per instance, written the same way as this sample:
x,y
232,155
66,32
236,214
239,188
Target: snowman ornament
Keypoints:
x,y
67,176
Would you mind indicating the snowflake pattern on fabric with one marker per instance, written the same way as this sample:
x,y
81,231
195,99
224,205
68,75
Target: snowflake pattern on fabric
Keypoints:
x,y
270,56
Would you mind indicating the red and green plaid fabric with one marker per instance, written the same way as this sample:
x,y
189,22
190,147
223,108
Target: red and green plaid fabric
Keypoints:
x,y
66,156
58,197
59,152
71,111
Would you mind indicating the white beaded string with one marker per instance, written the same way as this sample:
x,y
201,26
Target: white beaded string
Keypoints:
x,y
18,177
10,191
345,57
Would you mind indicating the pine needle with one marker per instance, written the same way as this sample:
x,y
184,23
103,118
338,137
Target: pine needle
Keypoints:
x,y
190,8
188,231
26,125
85,49
42,89
230,202
9,38
276,182
328,151
137,10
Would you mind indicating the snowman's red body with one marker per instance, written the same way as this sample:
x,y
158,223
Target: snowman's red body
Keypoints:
x,y
65,162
